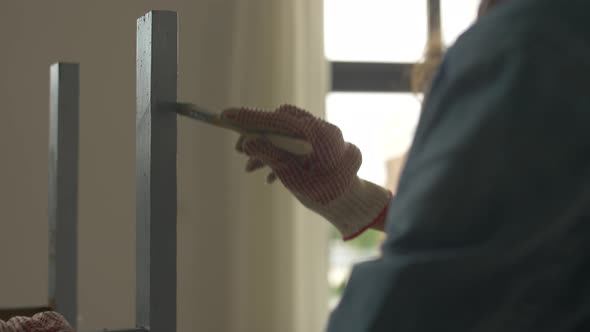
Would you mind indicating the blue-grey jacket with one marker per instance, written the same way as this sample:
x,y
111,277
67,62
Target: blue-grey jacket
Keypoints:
x,y
490,228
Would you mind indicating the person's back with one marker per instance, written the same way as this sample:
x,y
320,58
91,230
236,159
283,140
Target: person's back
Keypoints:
x,y
490,228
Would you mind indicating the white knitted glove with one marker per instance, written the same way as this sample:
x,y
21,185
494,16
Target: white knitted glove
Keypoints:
x,y
326,180
43,322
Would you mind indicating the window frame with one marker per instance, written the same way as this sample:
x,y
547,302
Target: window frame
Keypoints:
x,y
352,76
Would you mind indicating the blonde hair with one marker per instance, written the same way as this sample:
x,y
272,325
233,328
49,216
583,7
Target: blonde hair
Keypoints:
x,y
423,71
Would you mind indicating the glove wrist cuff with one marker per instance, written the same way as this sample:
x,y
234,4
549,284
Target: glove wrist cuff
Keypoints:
x,y
362,206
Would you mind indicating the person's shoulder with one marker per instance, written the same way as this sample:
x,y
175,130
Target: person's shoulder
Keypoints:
x,y
519,27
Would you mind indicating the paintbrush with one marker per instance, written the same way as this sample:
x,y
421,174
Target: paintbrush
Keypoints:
x,y
284,141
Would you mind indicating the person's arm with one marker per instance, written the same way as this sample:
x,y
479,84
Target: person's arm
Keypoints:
x,y
484,229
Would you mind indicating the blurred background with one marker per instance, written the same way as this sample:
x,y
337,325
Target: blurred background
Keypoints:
x,y
250,258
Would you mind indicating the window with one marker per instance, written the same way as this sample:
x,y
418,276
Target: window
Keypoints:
x,y
456,17
375,30
372,46
380,124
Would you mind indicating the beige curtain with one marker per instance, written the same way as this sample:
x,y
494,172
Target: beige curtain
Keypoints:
x,y
277,57
250,258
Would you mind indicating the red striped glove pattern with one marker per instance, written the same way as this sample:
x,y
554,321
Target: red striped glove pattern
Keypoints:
x,y
326,180
43,322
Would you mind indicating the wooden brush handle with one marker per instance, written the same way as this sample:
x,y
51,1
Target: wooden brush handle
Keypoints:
x,y
295,146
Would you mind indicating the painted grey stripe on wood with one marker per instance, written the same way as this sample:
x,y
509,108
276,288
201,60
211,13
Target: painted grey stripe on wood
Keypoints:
x,y
63,188
156,172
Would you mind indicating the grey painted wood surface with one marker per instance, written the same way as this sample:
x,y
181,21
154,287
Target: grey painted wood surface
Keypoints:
x,y
63,188
156,137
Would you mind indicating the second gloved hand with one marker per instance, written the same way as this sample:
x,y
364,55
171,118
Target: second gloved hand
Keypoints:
x,y
326,180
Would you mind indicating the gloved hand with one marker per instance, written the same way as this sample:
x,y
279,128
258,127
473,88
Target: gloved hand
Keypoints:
x,y
326,180
43,322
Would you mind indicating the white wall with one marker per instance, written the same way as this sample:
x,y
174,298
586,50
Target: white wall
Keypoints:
x,y
221,285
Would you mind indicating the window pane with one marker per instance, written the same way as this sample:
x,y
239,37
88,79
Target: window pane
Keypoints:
x,y
375,30
456,17
382,126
